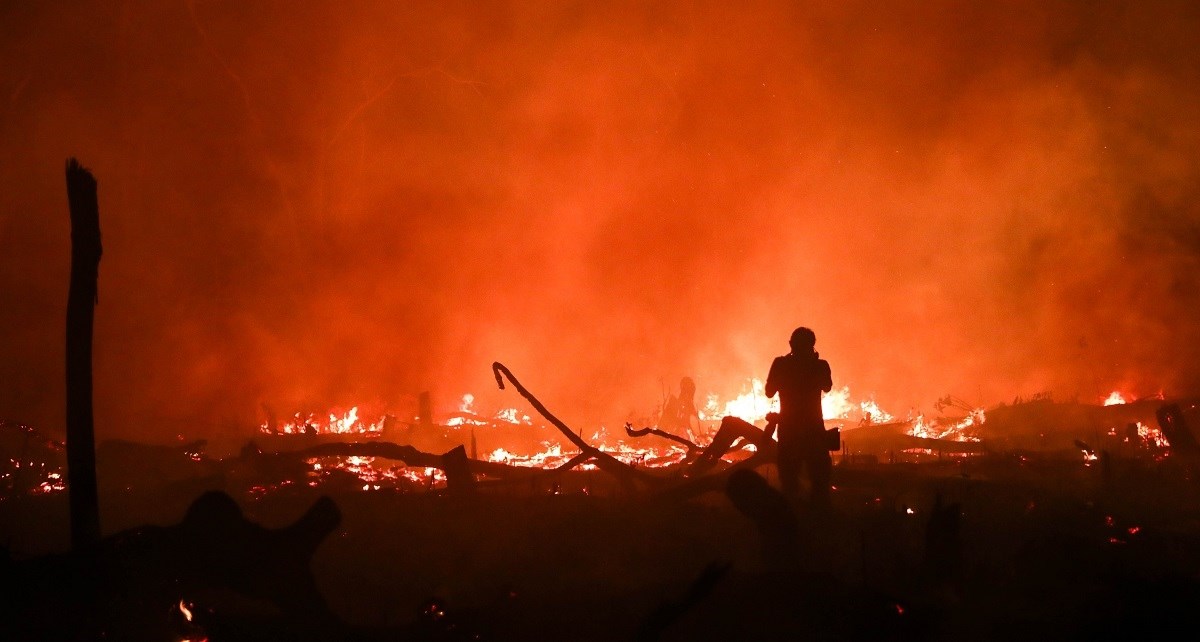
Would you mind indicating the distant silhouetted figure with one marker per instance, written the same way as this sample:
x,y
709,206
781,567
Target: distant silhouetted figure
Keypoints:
x,y
800,377
679,413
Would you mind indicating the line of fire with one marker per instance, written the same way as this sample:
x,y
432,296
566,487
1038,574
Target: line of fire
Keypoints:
x,y
551,320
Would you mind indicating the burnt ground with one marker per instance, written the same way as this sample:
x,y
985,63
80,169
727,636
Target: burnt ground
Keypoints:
x,y
1041,548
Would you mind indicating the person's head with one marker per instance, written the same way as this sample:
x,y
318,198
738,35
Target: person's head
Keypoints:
x,y
687,387
803,340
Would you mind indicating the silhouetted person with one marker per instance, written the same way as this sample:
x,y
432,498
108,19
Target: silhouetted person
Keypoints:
x,y
679,413
800,377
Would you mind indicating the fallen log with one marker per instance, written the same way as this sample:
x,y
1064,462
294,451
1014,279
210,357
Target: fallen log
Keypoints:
x,y
695,478
690,486
455,463
687,443
604,461
412,457
732,429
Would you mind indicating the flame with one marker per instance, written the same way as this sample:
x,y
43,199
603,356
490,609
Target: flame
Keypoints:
x,y
958,431
550,456
187,616
378,474
835,404
513,416
1151,435
468,417
1114,399
873,414
753,405
349,422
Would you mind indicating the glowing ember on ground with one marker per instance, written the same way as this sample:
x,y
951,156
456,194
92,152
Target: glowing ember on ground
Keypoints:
x,y
346,423
375,473
467,417
54,483
648,457
45,479
550,457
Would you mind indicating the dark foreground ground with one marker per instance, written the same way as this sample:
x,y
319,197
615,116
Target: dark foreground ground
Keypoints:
x,y
1021,547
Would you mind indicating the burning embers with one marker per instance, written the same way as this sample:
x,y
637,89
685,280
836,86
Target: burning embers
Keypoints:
x,y
553,456
376,473
512,441
29,462
339,423
353,450
951,429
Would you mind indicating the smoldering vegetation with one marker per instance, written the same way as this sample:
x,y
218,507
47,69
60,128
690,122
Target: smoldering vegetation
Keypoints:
x,y
984,547
330,204
1029,530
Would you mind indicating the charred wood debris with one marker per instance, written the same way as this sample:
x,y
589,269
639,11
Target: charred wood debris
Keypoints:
x,y
218,575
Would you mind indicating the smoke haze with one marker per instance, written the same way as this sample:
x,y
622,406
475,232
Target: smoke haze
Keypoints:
x,y
323,204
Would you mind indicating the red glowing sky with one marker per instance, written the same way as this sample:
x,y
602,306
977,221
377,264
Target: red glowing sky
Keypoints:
x,y
320,204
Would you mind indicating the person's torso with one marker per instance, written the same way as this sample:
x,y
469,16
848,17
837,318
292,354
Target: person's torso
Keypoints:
x,y
801,381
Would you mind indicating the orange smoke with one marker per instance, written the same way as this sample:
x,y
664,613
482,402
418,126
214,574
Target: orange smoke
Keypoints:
x,y
321,204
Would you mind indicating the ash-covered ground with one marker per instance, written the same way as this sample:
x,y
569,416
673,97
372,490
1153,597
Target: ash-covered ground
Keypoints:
x,y
997,545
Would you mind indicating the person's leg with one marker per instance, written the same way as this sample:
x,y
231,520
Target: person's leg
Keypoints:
x,y
790,461
820,471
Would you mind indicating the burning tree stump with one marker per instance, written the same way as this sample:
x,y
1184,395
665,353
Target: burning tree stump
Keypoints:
x,y
425,411
1175,429
81,300
459,480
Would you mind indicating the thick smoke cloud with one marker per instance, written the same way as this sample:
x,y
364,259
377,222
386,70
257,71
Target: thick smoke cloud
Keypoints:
x,y
319,204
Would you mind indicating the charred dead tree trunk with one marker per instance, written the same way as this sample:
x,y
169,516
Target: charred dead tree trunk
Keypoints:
x,y
425,411
604,461
81,301
1175,428
459,480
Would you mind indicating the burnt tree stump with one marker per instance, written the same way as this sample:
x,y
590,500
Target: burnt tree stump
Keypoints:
x,y
81,301
1175,429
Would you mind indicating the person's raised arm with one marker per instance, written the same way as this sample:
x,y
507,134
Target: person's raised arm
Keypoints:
x,y
827,377
773,379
